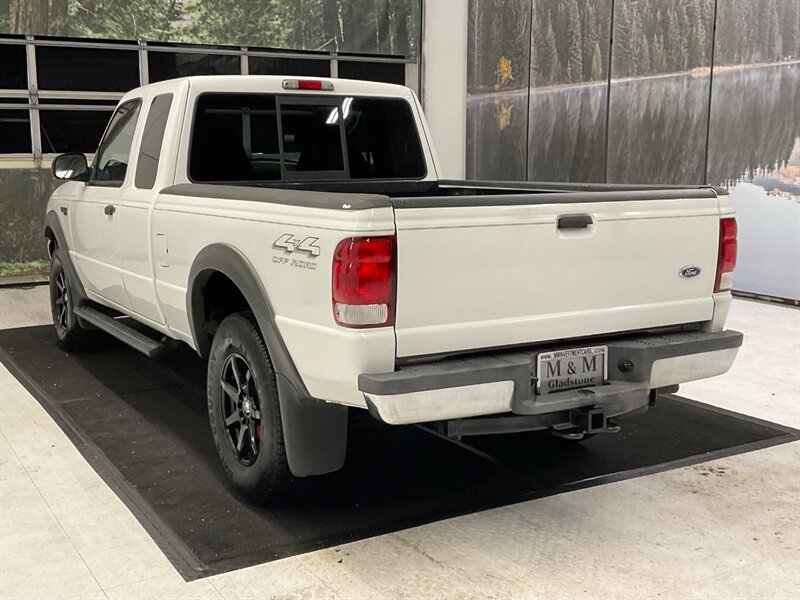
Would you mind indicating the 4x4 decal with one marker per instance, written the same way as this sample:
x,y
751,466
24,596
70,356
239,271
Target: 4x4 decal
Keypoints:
x,y
289,244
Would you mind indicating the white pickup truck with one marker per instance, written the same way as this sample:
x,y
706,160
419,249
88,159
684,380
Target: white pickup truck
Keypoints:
x,y
296,234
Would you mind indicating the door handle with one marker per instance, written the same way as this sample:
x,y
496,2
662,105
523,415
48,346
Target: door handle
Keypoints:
x,y
109,210
574,221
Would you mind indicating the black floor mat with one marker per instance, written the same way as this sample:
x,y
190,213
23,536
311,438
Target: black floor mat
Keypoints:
x,y
143,426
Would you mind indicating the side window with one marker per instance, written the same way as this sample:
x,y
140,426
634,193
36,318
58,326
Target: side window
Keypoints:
x,y
152,138
113,155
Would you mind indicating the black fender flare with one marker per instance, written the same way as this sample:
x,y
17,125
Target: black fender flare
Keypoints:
x,y
53,226
315,432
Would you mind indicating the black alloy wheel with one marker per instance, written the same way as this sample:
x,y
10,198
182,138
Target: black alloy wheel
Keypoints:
x,y
241,408
62,299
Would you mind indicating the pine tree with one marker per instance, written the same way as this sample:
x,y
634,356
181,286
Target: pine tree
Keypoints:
x,y
790,28
589,39
622,42
657,57
673,44
696,51
574,56
772,34
682,40
597,63
548,58
644,66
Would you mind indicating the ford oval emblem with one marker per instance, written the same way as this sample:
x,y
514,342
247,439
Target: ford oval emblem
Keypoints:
x,y
689,271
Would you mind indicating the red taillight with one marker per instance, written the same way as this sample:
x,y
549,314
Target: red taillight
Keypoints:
x,y
726,262
363,281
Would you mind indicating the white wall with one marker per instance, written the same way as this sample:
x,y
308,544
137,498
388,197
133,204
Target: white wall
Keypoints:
x,y
444,80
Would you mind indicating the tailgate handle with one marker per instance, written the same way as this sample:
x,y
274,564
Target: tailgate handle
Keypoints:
x,y
574,221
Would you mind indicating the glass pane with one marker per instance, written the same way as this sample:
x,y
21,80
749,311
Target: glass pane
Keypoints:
x,y
497,89
152,138
568,81
262,65
72,130
312,139
87,69
235,138
169,65
383,72
374,27
659,91
13,69
15,131
113,155
382,142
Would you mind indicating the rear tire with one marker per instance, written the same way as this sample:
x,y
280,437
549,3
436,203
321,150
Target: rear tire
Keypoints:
x,y
244,411
71,336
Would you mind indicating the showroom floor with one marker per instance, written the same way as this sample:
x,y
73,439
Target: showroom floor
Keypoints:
x,y
728,528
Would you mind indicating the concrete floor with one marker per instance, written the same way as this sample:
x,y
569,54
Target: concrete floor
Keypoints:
x,y
728,528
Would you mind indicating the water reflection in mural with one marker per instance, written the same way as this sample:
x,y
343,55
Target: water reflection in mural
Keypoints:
x,y
567,140
659,91
660,127
755,119
754,150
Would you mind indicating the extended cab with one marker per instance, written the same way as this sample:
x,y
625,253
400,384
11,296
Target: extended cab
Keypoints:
x,y
296,234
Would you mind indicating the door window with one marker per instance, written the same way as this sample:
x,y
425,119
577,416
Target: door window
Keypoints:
x,y
113,155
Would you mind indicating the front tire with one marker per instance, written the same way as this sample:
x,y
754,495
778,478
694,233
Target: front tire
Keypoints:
x,y
244,411
71,336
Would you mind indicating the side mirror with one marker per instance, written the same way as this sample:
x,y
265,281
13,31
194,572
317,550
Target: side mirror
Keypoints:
x,y
71,166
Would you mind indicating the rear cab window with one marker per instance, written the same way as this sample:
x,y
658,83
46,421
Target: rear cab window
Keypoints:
x,y
267,137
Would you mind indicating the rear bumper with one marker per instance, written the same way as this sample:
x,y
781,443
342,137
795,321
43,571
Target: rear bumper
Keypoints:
x,y
504,382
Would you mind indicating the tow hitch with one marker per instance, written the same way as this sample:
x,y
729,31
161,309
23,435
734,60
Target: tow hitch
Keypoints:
x,y
585,421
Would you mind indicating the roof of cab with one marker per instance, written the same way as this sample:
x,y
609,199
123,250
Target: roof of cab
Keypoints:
x,y
274,84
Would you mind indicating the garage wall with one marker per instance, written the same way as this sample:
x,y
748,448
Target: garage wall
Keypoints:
x,y
550,97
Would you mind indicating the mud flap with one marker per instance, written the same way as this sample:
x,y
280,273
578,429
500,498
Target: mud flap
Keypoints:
x,y
315,432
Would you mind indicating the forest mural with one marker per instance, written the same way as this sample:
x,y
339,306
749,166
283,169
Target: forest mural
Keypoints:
x,y
551,98
370,26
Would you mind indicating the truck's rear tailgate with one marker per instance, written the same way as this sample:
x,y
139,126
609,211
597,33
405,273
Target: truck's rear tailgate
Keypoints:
x,y
485,272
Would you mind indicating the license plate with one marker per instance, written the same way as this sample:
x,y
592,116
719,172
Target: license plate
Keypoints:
x,y
569,369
